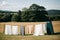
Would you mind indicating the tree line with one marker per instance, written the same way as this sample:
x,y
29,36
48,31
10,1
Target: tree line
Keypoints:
x,y
34,13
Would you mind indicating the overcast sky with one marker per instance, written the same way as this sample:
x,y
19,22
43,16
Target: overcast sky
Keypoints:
x,y
15,5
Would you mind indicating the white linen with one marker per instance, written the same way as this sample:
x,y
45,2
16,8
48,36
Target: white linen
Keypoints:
x,y
44,28
14,30
8,29
30,27
38,30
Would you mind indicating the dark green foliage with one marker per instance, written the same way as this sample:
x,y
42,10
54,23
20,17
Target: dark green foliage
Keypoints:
x,y
34,13
16,17
55,18
5,17
24,16
53,12
35,7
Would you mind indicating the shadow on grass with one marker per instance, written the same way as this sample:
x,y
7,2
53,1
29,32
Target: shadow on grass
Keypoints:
x,y
57,33
1,34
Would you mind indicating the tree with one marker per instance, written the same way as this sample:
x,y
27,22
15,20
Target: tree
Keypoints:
x,y
35,7
6,17
27,15
24,16
16,17
39,12
24,9
34,13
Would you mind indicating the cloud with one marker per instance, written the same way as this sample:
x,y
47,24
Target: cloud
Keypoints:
x,y
7,5
3,3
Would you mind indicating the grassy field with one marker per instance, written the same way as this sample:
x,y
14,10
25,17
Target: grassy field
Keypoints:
x,y
29,37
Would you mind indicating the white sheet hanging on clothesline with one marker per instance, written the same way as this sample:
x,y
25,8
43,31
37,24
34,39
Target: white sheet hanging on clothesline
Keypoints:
x,y
38,30
14,30
44,28
8,29
30,27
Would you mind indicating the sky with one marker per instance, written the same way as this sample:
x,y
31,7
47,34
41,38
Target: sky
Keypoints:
x,y
15,5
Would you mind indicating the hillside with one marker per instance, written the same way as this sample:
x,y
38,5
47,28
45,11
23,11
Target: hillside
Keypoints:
x,y
50,12
2,11
53,12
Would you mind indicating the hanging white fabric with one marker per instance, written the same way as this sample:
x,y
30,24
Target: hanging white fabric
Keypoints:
x,y
38,30
44,28
14,30
8,29
30,27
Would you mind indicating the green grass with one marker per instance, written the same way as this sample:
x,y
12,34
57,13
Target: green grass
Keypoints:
x,y
29,37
